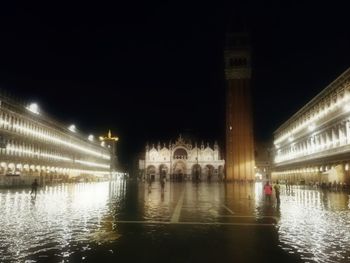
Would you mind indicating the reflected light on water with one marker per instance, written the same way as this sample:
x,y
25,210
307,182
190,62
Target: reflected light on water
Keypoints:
x,y
258,192
72,218
60,216
315,225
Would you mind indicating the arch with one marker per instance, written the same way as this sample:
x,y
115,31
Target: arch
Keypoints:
x,y
151,172
179,170
209,171
3,168
163,170
11,168
26,167
196,172
180,153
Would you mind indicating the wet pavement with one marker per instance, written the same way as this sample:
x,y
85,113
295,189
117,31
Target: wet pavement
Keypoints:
x,y
187,222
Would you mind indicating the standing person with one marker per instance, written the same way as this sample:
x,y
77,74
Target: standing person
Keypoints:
x,y
149,182
277,192
268,191
34,187
162,182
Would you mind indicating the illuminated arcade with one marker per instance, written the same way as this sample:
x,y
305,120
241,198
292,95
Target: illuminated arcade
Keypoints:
x,y
314,144
33,145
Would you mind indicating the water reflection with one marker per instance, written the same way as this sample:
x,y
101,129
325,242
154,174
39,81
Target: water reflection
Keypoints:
x,y
66,220
55,220
315,224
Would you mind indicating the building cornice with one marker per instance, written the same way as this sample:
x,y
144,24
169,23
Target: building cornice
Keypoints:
x,y
334,85
43,119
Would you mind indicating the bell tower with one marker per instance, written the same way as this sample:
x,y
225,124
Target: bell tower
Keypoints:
x,y
239,120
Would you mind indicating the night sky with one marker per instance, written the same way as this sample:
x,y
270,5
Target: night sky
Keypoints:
x,y
150,71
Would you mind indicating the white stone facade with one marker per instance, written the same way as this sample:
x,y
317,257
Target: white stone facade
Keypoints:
x,y
33,145
182,160
314,144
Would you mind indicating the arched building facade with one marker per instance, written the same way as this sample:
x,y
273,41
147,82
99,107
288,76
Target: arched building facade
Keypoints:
x,y
314,144
35,146
182,160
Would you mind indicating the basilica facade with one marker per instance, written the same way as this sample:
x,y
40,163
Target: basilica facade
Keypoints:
x,y
182,160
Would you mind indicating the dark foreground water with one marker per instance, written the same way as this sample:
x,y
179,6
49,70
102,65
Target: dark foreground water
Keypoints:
x,y
122,221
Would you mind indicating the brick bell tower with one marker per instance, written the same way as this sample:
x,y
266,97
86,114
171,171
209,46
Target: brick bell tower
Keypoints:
x,y
240,161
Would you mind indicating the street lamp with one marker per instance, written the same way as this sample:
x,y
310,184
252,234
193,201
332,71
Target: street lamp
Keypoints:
x,y
33,107
72,128
109,137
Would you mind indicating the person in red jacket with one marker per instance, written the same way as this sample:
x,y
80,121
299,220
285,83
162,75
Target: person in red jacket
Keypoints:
x,y
268,191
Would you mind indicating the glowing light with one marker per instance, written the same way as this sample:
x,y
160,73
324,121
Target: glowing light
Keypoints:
x,y
258,176
55,139
91,138
92,164
321,114
72,128
312,127
33,107
109,137
316,143
14,149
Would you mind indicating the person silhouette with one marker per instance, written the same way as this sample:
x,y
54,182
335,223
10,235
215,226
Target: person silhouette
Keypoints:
x,y
149,182
34,187
277,192
162,182
268,191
